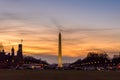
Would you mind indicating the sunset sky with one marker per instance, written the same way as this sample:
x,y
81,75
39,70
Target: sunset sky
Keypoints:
x,y
86,25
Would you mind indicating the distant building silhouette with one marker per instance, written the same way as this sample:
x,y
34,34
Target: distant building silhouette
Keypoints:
x,y
20,54
10,59
13,51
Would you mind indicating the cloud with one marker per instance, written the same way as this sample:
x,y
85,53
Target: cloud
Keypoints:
x,y
42,39
12,16
57,25
76,30
38,47
12,1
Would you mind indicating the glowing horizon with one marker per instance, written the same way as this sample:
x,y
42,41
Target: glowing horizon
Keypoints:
x,y
86,26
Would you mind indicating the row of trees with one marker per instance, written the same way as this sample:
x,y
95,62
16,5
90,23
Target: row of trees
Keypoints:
x,y
32,60
96,60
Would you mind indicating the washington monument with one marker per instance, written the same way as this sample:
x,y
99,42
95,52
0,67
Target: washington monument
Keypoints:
x,y
60,50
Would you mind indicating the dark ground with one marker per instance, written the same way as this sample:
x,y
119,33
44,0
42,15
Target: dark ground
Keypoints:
x,y
58,75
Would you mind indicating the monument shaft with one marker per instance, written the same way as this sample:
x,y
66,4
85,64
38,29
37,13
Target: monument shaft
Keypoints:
x,y
60,50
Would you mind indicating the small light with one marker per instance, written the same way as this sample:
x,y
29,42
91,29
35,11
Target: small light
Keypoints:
x,y
12,61
7,60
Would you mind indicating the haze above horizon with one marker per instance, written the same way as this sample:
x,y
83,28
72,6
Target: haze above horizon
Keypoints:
x,y
86,25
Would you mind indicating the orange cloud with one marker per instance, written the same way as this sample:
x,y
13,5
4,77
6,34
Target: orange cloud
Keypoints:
x,y
39,39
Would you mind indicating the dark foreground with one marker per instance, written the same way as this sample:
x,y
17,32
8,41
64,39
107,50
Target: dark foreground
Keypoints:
x,y
58,75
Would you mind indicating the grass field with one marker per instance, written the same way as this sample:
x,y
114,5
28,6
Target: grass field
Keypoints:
x,y
58,75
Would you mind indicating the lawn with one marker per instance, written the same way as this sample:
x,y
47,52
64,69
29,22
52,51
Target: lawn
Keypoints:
x,y
58,75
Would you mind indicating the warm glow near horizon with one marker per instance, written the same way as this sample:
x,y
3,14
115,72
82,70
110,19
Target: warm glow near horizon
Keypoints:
x,y
86,26
48,44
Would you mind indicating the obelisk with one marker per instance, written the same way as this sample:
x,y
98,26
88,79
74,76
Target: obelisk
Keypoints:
x,y
60,50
